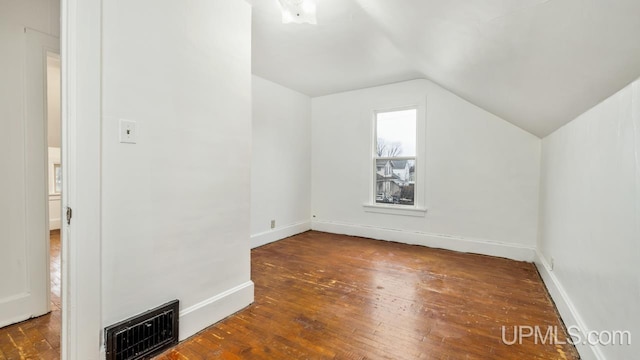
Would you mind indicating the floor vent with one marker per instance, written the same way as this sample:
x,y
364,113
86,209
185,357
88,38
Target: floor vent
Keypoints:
x,y
144,335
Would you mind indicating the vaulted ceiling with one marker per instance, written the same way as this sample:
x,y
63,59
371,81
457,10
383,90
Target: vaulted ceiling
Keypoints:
x,y
535,63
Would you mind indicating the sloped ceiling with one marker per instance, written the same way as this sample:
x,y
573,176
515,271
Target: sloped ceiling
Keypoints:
x,y
536,63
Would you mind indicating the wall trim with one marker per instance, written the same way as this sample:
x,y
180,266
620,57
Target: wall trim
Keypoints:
x,y
208,312
81,256
566,308
11,308
440,241
279,233
55,224
395,209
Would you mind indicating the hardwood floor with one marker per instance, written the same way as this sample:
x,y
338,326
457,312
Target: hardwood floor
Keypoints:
x,y
37,338
324,296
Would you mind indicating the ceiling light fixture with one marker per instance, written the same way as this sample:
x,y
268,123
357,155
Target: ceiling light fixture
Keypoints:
x,y
298,11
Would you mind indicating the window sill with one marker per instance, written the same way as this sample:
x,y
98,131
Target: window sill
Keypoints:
x,y
395,210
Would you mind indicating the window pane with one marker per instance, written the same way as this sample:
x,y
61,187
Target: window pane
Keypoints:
x,y
395,181
396,131
57,173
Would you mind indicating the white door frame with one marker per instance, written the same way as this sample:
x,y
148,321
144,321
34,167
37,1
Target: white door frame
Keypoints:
x,y
81,43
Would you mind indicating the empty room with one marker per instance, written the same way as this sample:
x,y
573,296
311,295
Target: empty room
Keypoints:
x,y
320,179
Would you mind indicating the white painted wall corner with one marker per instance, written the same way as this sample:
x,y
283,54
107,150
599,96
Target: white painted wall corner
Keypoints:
x,y
566,308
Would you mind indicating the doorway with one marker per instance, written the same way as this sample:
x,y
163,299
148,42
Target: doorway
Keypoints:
x,y
54,203
78,25
54,174
30,300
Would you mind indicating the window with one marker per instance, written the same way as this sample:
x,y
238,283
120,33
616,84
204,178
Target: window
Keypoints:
x,y
395,157
57,175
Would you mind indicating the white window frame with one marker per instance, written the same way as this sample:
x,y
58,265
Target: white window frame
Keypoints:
x,y
418,208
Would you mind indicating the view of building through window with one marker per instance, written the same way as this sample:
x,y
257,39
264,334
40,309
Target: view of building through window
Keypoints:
x,y
395,157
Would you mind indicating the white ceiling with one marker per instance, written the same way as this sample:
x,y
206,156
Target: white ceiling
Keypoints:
x,y
535,63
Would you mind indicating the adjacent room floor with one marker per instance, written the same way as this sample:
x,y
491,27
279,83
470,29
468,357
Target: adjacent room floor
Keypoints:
x,y
37,338
325,296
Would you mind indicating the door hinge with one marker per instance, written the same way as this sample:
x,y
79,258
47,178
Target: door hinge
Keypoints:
x,y
69,215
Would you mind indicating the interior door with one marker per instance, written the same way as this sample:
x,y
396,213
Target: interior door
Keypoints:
x,y
27,294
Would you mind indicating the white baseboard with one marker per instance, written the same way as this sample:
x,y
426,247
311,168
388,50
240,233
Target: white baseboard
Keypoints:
x,y
449,242
568,311
206,313
54,224
279,233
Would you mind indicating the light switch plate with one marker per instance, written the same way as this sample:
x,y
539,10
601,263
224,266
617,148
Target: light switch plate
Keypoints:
x,y
128,131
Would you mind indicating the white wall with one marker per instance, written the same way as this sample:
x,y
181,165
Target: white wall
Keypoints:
x,y
55,212
41,15
54,134
481,182
590,219
176,204
281,162
53,101
55,204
